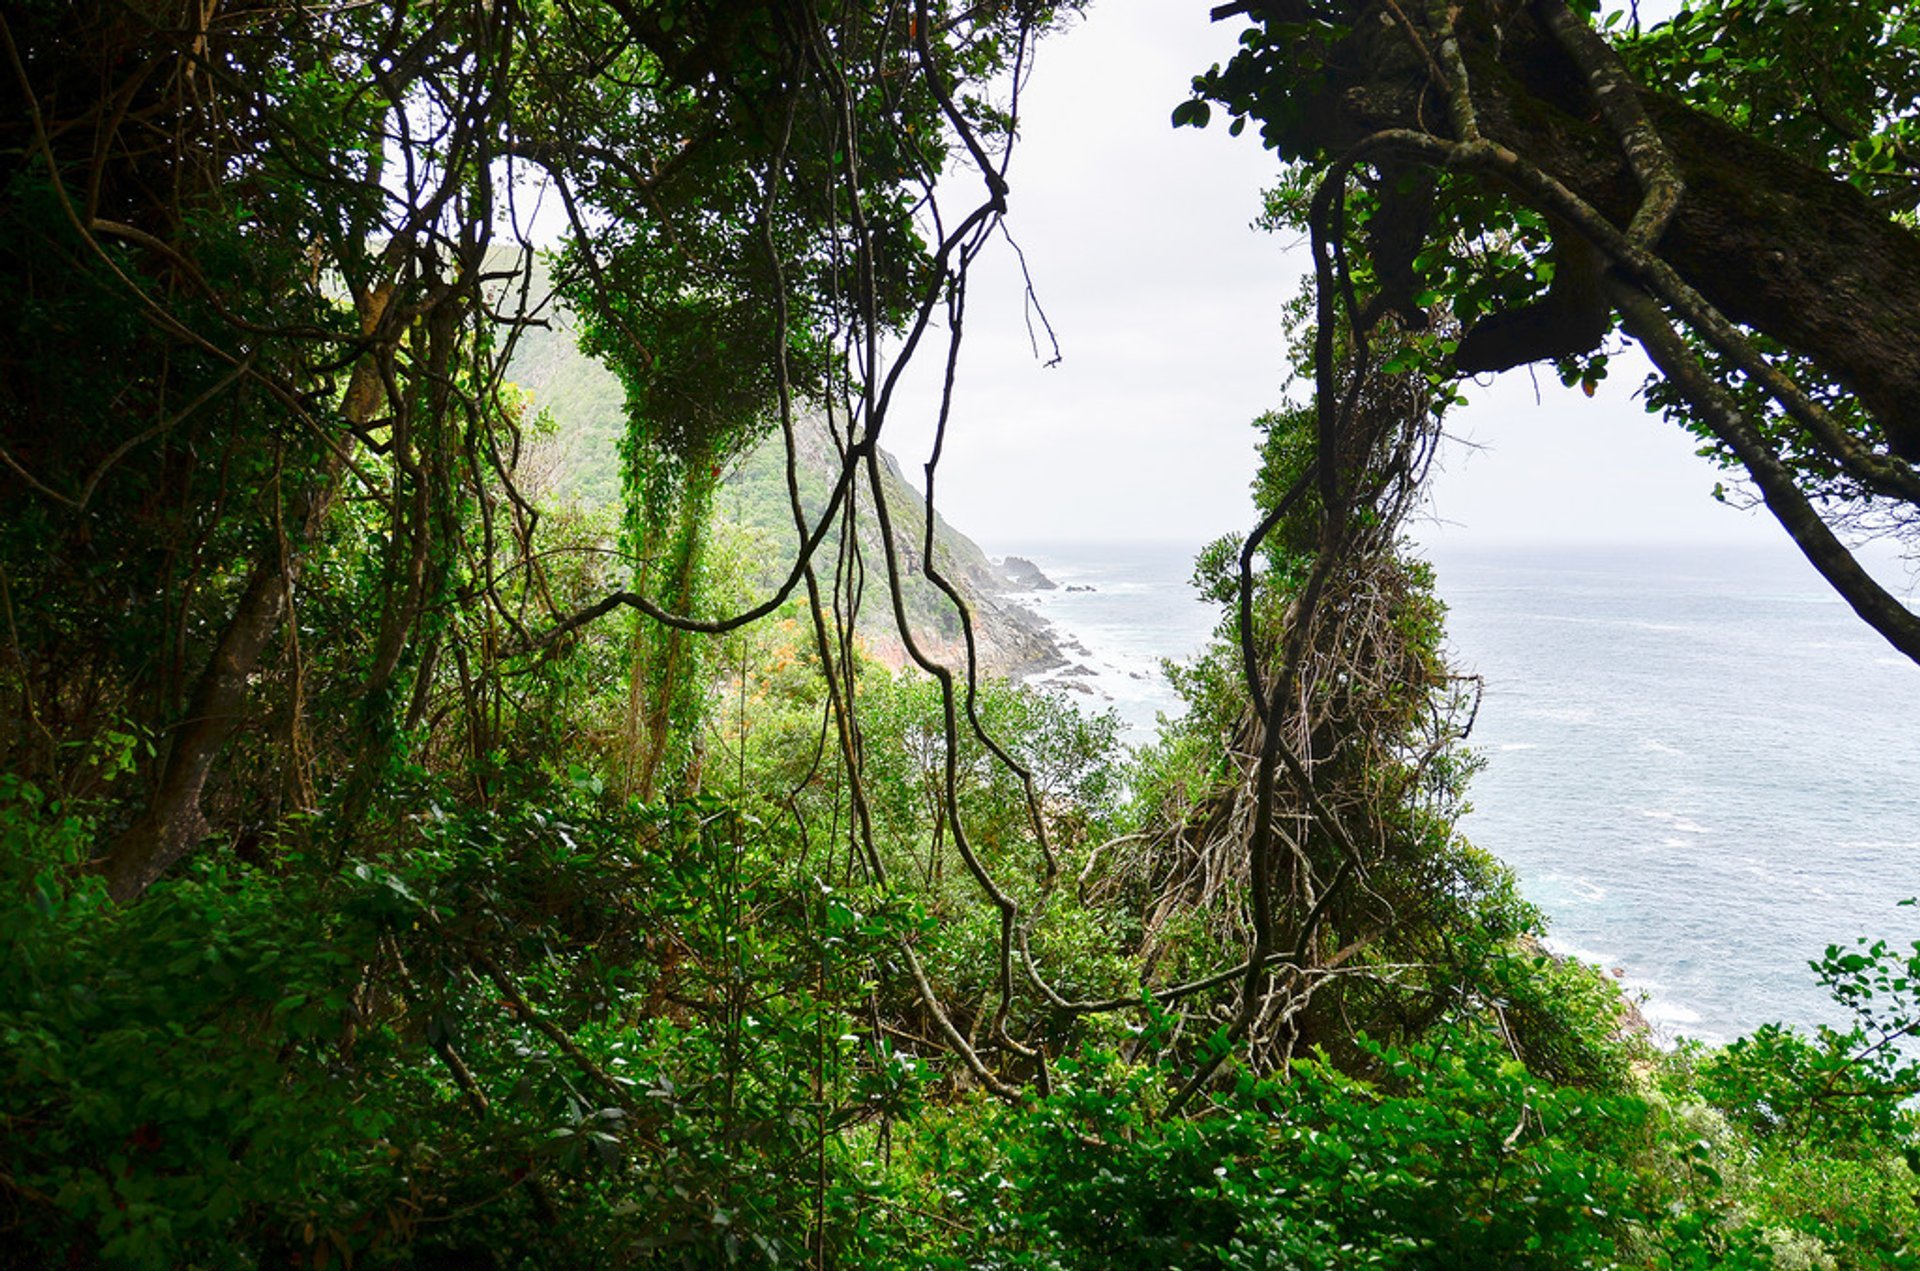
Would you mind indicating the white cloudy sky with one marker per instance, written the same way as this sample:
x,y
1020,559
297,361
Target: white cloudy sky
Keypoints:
x,y
1168,305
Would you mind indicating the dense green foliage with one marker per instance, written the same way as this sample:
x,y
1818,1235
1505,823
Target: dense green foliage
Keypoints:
x,y
400,867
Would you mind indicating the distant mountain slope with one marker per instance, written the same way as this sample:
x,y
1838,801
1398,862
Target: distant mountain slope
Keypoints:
x,y
585,400
586,403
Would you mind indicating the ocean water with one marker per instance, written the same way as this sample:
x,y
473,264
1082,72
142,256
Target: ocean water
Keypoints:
x,y
1699,763
1119,611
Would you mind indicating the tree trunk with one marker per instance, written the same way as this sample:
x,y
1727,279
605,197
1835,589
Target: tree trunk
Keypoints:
x,y
1774,242
173,824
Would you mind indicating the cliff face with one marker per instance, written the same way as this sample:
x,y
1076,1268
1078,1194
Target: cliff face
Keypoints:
x,y
584,400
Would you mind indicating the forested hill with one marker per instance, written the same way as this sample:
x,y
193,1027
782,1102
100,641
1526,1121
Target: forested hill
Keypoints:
x,y
578,463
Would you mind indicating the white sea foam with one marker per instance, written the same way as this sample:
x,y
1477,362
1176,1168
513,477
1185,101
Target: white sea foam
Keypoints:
x,y
1678,822
1561,949
1669,1022
1657,1011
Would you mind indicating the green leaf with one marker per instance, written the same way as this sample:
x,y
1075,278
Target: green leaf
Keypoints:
x,y
1193,113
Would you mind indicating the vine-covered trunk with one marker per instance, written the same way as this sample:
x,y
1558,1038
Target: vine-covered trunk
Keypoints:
x,y
661,715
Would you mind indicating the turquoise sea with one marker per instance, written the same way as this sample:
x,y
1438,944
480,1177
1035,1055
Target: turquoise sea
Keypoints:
x,y
1700,764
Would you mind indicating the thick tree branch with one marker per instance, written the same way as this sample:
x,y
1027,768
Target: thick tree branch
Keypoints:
x,y
1875,605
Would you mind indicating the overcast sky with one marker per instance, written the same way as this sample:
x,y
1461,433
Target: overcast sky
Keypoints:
x,y
1168,306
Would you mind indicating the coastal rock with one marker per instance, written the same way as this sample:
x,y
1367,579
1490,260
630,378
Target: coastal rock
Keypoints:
x,y
1024,575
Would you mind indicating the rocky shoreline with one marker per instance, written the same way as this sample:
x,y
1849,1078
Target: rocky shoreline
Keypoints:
x,y
1012,639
